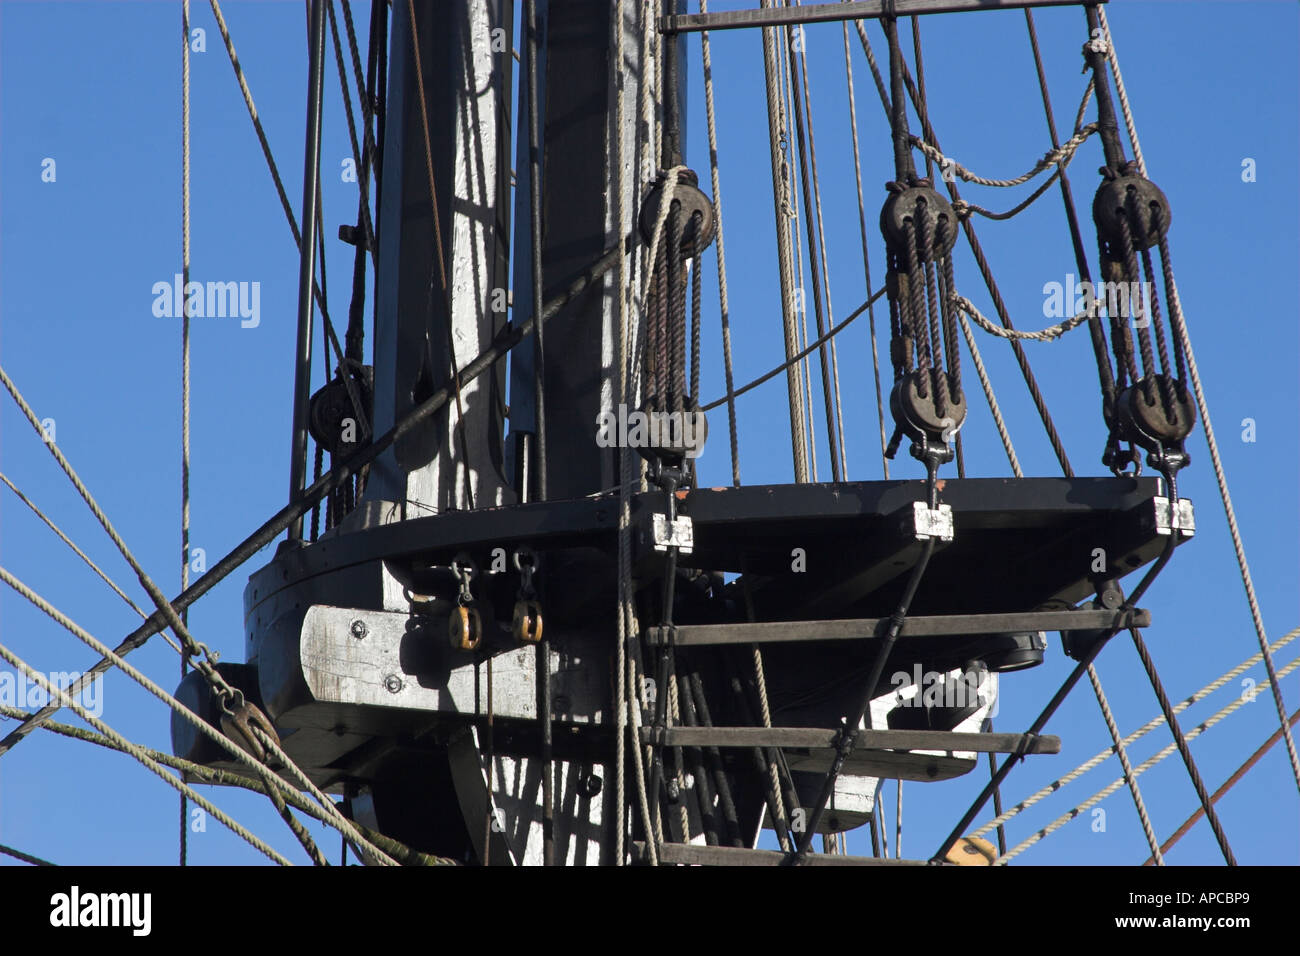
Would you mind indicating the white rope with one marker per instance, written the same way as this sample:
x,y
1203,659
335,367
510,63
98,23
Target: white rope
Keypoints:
x,y
1180,329
1048,334
838,424
1051,158
1140,769
790,204
339,822
777,139
988,394
66,700
1145,729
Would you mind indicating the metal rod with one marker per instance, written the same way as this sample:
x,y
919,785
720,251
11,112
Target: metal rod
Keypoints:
x,y
543,652
307,261
835,12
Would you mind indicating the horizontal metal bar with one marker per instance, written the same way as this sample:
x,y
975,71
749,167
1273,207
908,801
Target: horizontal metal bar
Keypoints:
x,y
832,12
817,738
692,855
942,625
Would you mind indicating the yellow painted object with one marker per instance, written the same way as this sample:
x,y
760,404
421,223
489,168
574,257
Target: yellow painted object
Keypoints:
x,y
972,851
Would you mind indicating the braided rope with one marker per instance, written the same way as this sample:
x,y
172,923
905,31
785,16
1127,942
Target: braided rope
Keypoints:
x,y
987,386
65,700
338,821
1180,329
1140,769
1050,158
224,778
1043,335
1146,728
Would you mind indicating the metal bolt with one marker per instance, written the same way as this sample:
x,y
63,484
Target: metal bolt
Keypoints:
x,y
359,629
393,683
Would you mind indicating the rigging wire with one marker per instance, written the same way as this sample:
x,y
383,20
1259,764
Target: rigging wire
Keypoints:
x,y
65,700
1180,329
237,751
1228,784
201,773
185,366
1140,769
81,554
866,259
1146,728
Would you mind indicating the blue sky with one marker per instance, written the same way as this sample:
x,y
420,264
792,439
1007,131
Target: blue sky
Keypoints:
x,y
96,87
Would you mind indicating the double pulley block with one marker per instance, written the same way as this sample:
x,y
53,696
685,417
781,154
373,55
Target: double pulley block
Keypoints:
x,y
919,227
1155,413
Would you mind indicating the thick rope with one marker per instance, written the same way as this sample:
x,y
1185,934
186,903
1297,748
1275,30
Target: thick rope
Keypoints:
x,y
138,753
224,778
169,612
780,178
1140,769
1048,334
1061,153
1146,728
836,427
987,386
339,822
1180,329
